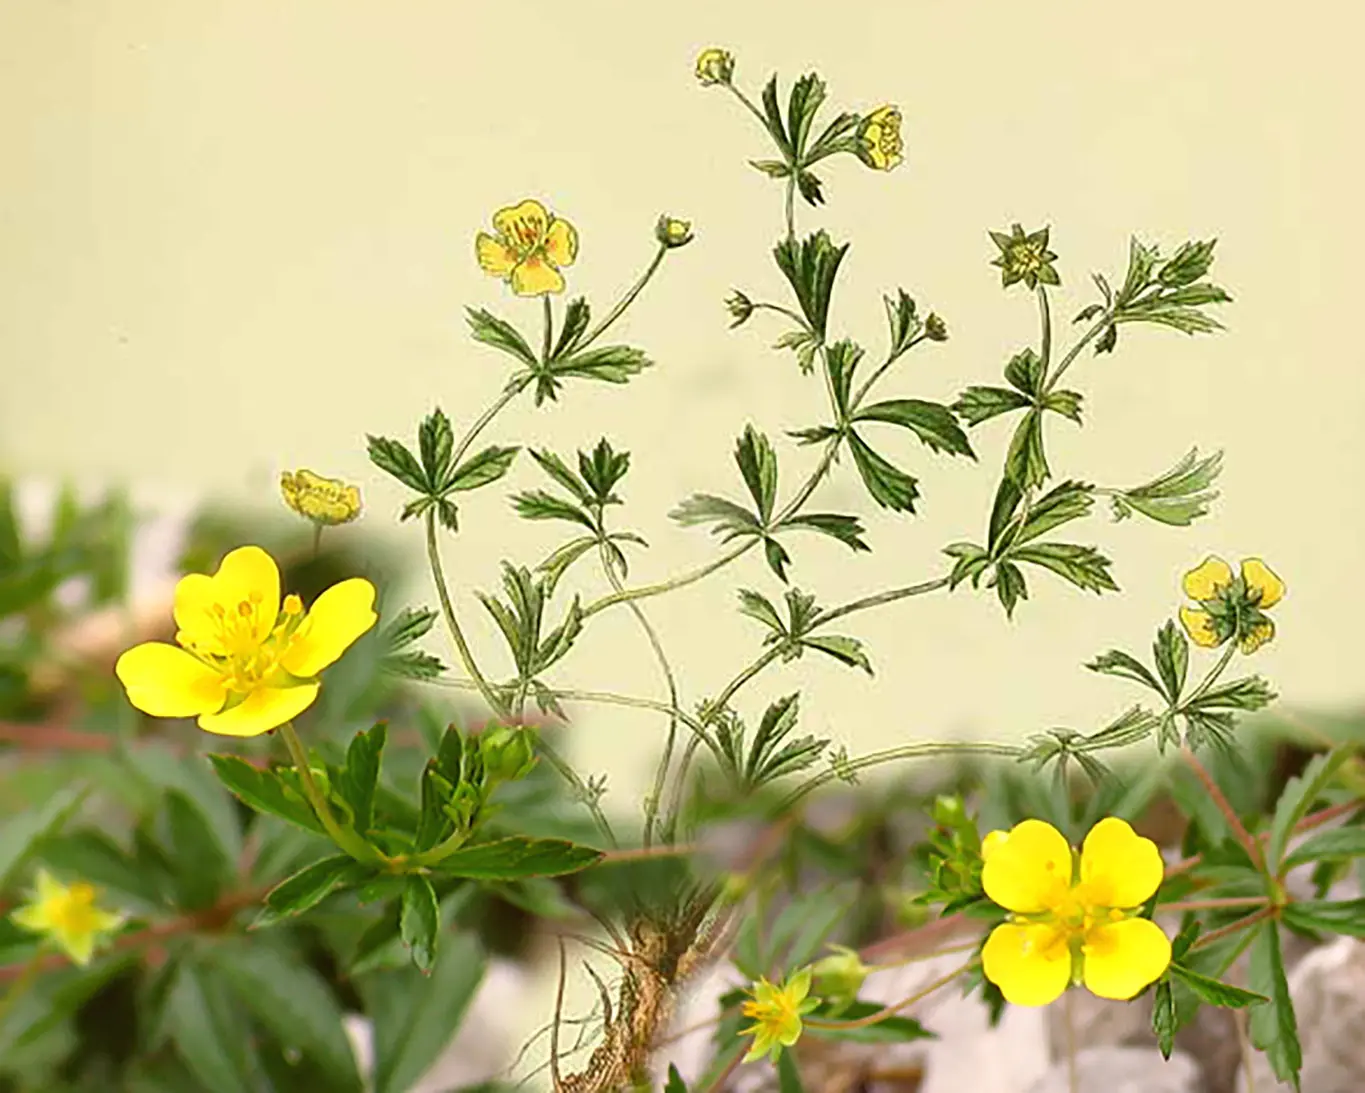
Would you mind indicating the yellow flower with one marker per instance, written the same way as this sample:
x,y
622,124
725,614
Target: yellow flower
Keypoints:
x,y
715,66
67,916
672,232
1231,607
778,1011
1074,920
879,138
327,501
529,248
245,663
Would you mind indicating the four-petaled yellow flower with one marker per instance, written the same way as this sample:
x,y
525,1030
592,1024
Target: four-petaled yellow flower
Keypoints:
x,y
1074,918
245,663
778,1011
715,66
530,248
328,501
67,916
1231,607
879,138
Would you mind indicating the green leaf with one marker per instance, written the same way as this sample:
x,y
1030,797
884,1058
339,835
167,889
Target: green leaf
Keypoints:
x,y
847,529
810,188
773,168
1083,566
1188,264
309,887
1026,462
841,362
1025,374
1187,320
435,442
788,1074
978,404
293,1002
1163,1017
358,778
500,334
408,626
811,267
1214,991
202,866
1178,497
607,363
1298,798
889,486
731,521
576,317
540,505
972,561
1273,1028
772,115
479,470
1060,505
777,557
517,857
209,1032
416,1017
889,1030
414,665
932,423
1010,586
20,834
758,464
392,457
1345,916
757,606
1337,844
263,791
1118,663
807,93
675,1083
1172,653
1066,403
419,921
902,322
845,650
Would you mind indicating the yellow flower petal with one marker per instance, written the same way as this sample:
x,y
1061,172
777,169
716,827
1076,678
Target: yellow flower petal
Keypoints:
x,y
992,842
1259,578
1122,958
1198,624
1257,636
536,277
80,947
33,917
164,681
1030,871
494,255
262,710
1030,964
336,619
1119,868
523,226
247,575
1204,581
561,244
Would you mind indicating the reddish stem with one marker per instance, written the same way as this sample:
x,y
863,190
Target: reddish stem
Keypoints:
x,y
1253,847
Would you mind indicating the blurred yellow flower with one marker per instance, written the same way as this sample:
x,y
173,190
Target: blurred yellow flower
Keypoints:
x,y
1072,921
529,248
326,501
715,66
67,916
778,1011
244,663
1231,607
879,138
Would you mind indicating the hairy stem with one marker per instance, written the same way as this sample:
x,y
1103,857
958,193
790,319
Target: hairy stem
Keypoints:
x,y
890,1011
1253,847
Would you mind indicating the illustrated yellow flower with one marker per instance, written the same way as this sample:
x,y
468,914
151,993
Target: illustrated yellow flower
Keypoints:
x,y
715,66
1231,607
672,232
67,916
244,663
327,501
879,138
778,1011
529,248
1073,917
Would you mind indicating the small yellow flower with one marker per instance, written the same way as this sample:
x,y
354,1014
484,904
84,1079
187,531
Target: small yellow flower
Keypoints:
x,y
672,232
778,1011
1231,607
244,663
67,916
715,66
1074,918
1024,257
529,248
879,138
327,501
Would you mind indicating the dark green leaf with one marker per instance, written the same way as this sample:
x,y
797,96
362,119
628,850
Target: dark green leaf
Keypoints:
x,y
978,404
576,317
841,361
889,486
360,775
845,650
1188,264
603,470
775,554
772,114
1172,653
932,423
1298,798
263,791
500,334
309,887
201,863
1010,586
807,93
435,442
811,267
1273,1028
419,921
516,857
971,562
675,1083
540,505
1060,505
810,188
1025,374
1337,844
1026,462
1163,1017
1083,566
847,529
1007,499
1118,663
756,606
1066,403
209,1031
1215,992
758,464
904,324
407,627
608,363
1345,916
788,1074
479,470
394,458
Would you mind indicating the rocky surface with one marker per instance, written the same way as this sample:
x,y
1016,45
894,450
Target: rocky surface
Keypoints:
x,y
1119,1070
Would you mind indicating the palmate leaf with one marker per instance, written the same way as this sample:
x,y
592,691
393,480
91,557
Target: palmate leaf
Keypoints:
x,y
1178,497
500,334
889,486
758,465
1083,566
934,424
811,266
729,520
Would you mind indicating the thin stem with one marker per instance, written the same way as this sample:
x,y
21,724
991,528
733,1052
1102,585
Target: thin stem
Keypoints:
x,y
890,1011
1232,928
547,339
1317,819
508,394
1214,904
1075,351
646,591
21,985
317,540
1212,678
348,841
496,704
1253,847
790,205
788,312
891,595
1073,1081
580,787
625,301
880,370
754,110
1045,321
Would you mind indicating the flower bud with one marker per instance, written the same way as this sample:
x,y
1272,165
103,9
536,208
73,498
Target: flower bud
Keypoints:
x,y
715,66
839,977
936,328
507,753
739,306
879,138
672,232
325,501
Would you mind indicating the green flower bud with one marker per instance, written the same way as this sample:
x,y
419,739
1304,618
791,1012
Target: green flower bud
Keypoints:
x,y
936,328
507,753
740,307
672,232
839,977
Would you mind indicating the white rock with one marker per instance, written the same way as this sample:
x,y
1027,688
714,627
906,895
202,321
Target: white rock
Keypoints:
x,y
1328,989
1122,1070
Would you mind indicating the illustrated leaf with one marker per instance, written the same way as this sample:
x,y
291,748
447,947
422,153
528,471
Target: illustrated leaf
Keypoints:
x,y
971,562
392,457
932,423
1010,586
1060,505
576,317
516,857
977,404
845,650
1026,462
807,93
1172,652
772,115
1188,264
731,521
435,443
847,529
1178,497
500,334
841,361
1273,1028
479,470
603,470
758,464
889,486
757,606
540,505
811,266
1025,374
608,363
1083,566
903,324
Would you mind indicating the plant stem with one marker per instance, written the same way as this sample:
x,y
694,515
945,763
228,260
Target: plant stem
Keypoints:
x,y
1317,819
645,591
625,301
496,704
1073,1082
21,985
1214,904
580,787
348,841
1253,847
548,336
1075,351
495,407
1045,321
790,205
1232,928
891,595
891,1010
1210,679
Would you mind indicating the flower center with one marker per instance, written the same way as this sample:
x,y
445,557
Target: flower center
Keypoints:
x,y
248,661
525,237
73,913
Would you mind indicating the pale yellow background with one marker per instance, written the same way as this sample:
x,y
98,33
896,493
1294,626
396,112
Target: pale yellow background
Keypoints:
x,y
236,237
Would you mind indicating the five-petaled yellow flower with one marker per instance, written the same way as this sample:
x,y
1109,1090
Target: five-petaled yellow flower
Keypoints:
x,y
879,138
328,501
778,1011
1074,917
244,663
67,916
529,248
1231,607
